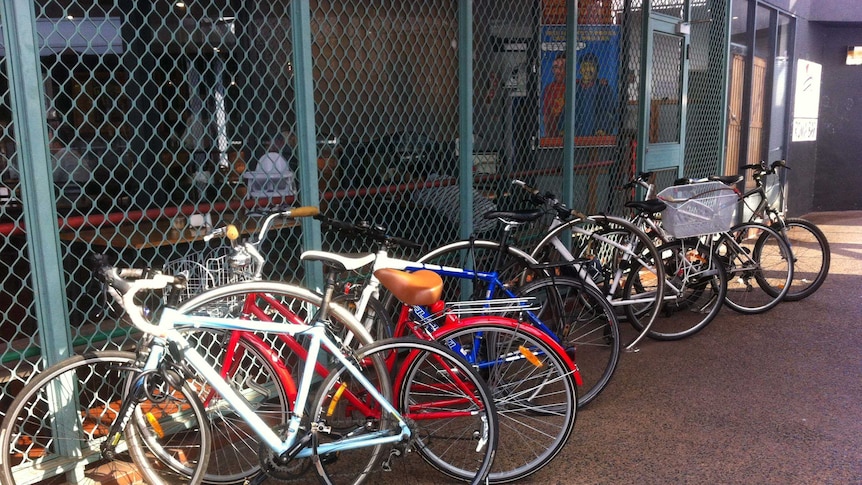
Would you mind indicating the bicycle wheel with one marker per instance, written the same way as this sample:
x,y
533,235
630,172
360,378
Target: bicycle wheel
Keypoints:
x,y
59,423
615,248
246,364
445,402
759,267
695,290
262,367
533,385
344,410
586,326
811,256
511,264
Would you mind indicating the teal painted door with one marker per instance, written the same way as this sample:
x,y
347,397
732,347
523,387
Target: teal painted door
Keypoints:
x,y
665,75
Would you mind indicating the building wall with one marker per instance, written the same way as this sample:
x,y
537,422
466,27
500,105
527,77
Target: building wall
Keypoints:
x,y
825,173
802,156
839,138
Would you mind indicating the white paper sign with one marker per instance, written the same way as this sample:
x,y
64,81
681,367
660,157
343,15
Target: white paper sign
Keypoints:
x,y
806,103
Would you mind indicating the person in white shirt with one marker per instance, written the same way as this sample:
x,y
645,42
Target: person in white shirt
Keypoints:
x,y
273,176
72,172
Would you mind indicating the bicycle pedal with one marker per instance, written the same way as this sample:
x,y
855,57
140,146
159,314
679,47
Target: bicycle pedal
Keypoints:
x,y
328,458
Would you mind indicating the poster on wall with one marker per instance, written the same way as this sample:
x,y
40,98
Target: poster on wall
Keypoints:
x,y
597,59
806,100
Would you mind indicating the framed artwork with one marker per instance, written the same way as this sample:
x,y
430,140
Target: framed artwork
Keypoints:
x,y
597,83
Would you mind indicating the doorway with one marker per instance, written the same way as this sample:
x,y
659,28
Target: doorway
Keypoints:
x,y
665,75
758,96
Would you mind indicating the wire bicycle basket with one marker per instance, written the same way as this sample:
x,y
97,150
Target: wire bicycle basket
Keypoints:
x,y
698,209
210,270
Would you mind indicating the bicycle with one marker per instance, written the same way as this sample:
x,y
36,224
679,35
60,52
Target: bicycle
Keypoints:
x,y
810,248
757,259
511,362
570,313
605,250
528,372
311,436
696,279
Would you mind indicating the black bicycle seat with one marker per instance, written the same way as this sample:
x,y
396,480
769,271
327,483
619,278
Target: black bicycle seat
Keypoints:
x,y
649,206
726,179
527,215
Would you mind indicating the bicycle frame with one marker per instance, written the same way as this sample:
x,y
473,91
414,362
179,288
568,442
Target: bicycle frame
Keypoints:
x,y
618,273
382,260
629,254
762,210
317,340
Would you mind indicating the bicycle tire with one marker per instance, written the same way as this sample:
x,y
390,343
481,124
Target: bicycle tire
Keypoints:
x,y
611,244
697,285
337,418
758,282
811,256
234,456
536,396
421,367
586,325
268,368
31,417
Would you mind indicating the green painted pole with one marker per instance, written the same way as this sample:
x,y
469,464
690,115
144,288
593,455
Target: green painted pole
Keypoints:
x,y
40,211
465,114
568,192
305,134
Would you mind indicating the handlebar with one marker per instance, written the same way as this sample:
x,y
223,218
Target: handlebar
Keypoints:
x,y
232,233
763,169
548,198
124,284
248,251
366,230
642,179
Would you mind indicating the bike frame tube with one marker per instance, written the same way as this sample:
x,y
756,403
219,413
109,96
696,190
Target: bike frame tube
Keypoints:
x,y
552,237
383,260
318,339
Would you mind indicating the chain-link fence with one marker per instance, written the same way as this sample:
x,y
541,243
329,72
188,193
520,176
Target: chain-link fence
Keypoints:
x,y
164,117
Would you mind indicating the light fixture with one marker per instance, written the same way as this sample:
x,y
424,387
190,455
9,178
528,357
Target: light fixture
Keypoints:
x,y
180,5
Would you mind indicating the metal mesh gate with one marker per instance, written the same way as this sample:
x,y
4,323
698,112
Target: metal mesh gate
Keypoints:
x,y
163,117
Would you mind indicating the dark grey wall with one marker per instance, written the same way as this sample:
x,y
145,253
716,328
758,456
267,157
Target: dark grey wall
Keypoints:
x,y
838,185
802,156
835,11
826,174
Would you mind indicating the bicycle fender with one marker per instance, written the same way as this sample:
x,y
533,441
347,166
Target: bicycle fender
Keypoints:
x,y
512,323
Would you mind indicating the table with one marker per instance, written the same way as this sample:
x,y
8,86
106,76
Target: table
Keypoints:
x,y
146,234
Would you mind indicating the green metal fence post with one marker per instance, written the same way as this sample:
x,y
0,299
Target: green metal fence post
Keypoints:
x,y
40,213
305,132
724,51
465,114
568,192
